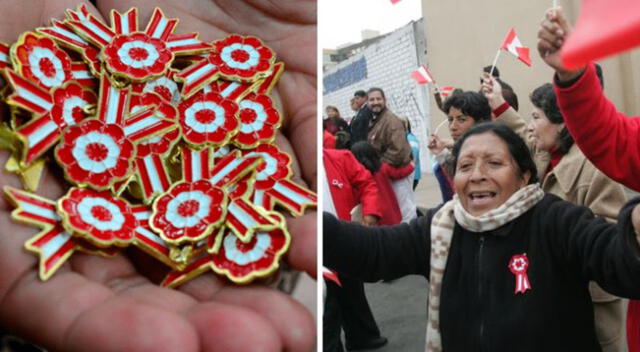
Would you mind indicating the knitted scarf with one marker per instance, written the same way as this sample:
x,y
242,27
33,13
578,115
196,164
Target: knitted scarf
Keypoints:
x,y
442,226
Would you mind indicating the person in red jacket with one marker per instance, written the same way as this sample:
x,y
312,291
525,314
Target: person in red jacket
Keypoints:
x,y
602,132
347,184
383,173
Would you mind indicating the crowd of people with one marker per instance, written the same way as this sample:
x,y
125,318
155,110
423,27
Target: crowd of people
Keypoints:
x,y
534,247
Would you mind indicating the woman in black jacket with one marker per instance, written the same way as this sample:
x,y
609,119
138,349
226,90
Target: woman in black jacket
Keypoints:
x,y
508,265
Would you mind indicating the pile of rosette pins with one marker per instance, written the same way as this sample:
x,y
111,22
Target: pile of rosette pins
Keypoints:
x,y
166,141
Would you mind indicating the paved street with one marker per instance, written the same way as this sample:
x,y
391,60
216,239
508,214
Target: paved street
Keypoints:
x,y
400,307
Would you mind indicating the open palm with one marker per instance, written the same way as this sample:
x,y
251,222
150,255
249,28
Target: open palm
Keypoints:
x,y
99,304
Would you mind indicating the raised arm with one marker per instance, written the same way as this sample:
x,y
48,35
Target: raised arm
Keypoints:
x,y
608,138
376,253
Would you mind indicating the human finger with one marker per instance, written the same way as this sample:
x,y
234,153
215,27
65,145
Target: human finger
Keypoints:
x,y
229,328
296,331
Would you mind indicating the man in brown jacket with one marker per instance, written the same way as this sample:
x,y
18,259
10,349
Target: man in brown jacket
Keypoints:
x,y
388,136
386,131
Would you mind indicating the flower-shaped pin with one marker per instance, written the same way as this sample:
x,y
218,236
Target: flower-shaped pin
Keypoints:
x,y
208,119
99,217
243,262
137,56
259,121
242,58
40,60
188,212
69,103
275,165
95,153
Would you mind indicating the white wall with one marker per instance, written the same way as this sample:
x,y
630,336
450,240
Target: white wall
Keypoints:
x,y
389,63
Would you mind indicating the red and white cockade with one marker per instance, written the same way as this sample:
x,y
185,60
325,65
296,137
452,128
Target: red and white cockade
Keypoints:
x,y
96,154
259,121
99,217
40,60
138,102
243,262
273,185
188,212
128,52
164,86
53,113
245,59
191,209
208,119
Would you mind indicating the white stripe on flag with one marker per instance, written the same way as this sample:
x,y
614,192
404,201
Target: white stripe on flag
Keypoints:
x,y
27,95
225,171
196,166
41,133
140,125
112,105
102,34
160,28
199,73
183,42
68,34
55,244
290,194
230,88
37,210
153,173
242,216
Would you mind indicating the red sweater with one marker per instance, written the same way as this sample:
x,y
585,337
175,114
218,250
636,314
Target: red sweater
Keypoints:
x,y
350,184
611,141
391,214
608,138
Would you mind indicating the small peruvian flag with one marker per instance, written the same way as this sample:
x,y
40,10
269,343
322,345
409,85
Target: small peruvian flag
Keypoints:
x,y
395,1
512,45
331,275
445,92
422,75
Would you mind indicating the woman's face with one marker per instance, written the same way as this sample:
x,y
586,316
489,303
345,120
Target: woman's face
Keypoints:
x,y
459,123
545,133
332,113
486,174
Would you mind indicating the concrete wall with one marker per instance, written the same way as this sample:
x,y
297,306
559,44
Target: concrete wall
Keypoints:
x,y
463,36
387,64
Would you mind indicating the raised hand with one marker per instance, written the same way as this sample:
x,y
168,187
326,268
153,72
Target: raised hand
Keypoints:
x,y
554,30
492,90
99,304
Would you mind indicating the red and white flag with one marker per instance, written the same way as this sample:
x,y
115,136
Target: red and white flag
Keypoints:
x,y
513,45
445,92
604,28
331,275
422,75
395,1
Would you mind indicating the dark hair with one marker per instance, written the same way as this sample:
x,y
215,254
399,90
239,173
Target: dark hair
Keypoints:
x,y
367,156
472,104
517,147
376,89
343,140
360,93
496,72
544,98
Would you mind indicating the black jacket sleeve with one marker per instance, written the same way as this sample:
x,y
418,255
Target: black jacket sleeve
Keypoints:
x,y
606,253
375,253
